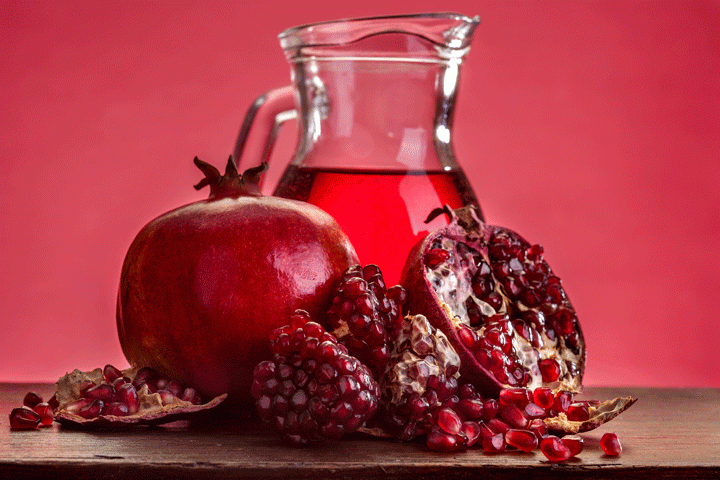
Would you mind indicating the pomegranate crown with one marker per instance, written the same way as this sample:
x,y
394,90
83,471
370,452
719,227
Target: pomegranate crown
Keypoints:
x,y
465,216
231,184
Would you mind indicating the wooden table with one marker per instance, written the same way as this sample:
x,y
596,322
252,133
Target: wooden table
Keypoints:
x,y
667,433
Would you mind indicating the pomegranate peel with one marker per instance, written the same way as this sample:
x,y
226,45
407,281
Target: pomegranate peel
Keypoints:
x,y
153,410
599,414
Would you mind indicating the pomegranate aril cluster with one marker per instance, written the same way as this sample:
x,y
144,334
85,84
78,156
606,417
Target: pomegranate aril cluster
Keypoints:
x,y
312,389
513,313
420,377
363,313
118,395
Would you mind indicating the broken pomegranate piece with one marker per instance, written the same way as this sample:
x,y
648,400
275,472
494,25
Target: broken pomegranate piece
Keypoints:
x,y
363,314
312,388
499,303
108,398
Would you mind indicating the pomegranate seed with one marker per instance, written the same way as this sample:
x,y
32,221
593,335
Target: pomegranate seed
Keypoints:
x,y
574,443
120,381
543,397
516,396
523,440
578,412
434,257
118,409
190,395
46,413
498,426
491,407
174,387
442,442
468,336
554,449
610,445
74,407
485,430
263,406
145,375
549,369
166,397
539,428
494,444
31,399
129,396
24,418
513,416
471,430
449,421
111,373
533,411
103,391
93,409
470,408
563,399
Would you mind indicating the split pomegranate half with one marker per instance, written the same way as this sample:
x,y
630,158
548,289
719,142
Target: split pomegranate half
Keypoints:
x,y
499,303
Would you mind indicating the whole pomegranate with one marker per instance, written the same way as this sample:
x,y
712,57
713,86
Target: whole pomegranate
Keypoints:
x,y
203,285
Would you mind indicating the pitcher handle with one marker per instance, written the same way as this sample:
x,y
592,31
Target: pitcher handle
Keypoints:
x,y
261,125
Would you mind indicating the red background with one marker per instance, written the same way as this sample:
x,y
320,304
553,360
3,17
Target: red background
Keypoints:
x,y
590,127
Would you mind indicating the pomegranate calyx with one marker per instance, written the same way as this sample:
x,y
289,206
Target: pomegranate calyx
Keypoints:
x,y
467,216
231,184
598,415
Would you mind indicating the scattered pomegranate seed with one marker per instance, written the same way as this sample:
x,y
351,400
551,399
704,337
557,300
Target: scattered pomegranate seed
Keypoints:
x,y
31,399
495,443
46,413
449,421
523,440
539,428
513,416
574,443
471,430
610,445
442,442
24,418
554,449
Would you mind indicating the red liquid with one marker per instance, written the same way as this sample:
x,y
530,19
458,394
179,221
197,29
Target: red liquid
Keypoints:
x,y
383,212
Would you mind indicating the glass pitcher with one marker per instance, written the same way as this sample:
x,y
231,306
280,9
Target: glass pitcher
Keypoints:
x,y
374,101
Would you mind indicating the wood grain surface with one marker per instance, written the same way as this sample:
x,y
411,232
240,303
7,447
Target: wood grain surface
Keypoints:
x,y
668,433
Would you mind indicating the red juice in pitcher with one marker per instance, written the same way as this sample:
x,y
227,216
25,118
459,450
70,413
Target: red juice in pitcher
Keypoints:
x,y
383,212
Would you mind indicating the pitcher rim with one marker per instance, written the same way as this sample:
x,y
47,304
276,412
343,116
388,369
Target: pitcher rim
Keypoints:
x,y
307,35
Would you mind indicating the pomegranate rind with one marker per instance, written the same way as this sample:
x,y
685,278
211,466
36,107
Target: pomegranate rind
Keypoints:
x,y
599,414
465,227
152,411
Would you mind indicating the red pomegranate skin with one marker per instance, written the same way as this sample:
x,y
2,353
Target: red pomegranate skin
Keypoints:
x,y
203,285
